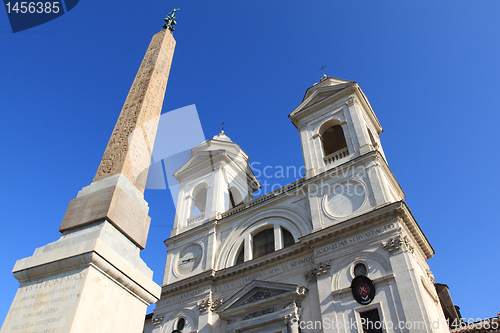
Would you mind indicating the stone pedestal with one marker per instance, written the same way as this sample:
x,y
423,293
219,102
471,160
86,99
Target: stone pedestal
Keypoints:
x,y
90,280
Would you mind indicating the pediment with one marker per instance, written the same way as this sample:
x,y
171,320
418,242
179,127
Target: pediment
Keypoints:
x,y
199,159
259,294
319,94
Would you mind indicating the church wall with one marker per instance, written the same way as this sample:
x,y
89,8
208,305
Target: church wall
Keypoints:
x,y
346,211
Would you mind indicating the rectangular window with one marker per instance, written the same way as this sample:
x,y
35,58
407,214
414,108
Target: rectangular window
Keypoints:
x,y
370,321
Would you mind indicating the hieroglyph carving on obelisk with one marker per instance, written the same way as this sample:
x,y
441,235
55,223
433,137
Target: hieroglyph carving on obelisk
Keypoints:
x,y
125,153
117,191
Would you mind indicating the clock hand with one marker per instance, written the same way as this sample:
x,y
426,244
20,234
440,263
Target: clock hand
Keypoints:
x,y
188,260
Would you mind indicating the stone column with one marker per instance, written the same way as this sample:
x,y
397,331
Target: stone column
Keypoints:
x,y
92,279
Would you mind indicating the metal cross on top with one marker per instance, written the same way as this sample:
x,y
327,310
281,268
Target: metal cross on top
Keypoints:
x,y
222,124
323,69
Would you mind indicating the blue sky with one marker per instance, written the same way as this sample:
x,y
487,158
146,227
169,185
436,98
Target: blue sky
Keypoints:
x,y
429,68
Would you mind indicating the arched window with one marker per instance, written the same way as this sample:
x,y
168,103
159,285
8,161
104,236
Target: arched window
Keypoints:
x,y
200,201
240,258
263,243
333,139
287,238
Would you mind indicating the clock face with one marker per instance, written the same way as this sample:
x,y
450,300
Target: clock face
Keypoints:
x,y
189,259
345,199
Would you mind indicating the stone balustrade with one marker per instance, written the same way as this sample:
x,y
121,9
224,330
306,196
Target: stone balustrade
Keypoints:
x,y
338,155
197,218
263,198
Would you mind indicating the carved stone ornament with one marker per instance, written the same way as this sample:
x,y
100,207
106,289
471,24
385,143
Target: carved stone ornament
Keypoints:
x,y
408,245
317,271
393,244
129,149
351,100
158,319
430,276
398,243
209,305
258,296
291,318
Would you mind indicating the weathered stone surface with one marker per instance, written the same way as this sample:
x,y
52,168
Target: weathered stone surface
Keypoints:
x,y
130,155
113,201
90,280
128,152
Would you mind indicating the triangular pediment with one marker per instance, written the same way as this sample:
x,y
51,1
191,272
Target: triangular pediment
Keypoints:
x,y
210,160
261,293
199,159
318,94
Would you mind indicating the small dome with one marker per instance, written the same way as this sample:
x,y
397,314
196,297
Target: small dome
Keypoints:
x,y
222,137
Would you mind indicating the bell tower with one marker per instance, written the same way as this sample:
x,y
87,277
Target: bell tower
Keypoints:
x,y
215,179
336,124
339,132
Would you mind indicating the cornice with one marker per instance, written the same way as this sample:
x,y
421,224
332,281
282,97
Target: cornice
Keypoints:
x,y
397,211
354,225
212,276
261,261
187,233
266,198
336,96
368,220
352,88
195,280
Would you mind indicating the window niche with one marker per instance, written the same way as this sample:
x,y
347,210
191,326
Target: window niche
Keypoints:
x,y
264,243
179,326
199,201
333,139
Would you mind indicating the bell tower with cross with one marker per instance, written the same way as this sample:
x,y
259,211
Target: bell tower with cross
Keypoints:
x,y
338,129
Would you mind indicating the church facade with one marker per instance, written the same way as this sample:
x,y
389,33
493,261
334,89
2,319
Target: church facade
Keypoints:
x,y
336,251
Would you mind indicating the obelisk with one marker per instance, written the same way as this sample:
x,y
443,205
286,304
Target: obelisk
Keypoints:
x,y
92,279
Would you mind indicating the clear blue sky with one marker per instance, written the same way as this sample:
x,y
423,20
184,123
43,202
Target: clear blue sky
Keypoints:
x,y
429,68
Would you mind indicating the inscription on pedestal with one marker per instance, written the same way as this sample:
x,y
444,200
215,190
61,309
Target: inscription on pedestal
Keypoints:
x,y
44,306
